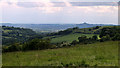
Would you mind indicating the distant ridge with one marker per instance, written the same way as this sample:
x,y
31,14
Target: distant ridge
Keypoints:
x,y
53,27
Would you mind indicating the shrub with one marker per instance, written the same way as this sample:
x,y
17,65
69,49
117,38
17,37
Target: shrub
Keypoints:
x,y
64,44
82,39
110,33
36,44
116,37
74,42
94,37
13,47
105,38
53,46
83,64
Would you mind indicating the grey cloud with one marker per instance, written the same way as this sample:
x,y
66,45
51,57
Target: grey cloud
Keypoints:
x,y
94,3
30,4
63,4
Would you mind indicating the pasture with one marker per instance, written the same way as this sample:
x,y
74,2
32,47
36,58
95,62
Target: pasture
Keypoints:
x,y
96,54
69,38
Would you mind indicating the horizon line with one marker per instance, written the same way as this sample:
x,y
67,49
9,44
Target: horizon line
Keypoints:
x,y
60,23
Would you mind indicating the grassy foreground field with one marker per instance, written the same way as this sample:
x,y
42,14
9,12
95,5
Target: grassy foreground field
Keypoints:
x,y
97,54
69,38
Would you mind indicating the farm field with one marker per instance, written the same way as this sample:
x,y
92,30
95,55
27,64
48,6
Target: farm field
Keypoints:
x,y
96,54
69,38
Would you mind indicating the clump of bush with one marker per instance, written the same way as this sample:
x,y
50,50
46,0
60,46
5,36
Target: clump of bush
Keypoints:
x,y
84,40
13,47
35,44
78,64
74,42
110,33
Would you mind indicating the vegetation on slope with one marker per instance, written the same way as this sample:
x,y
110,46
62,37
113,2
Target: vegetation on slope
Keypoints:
x,y
92,30
107,33
86,50
72,34
11,35
69,38
97,54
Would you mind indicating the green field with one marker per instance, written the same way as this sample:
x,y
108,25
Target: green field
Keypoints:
x,y
69,38
97,54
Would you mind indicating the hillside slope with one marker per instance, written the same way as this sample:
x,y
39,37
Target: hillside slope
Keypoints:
x,y
15,34
69,38
97,54
71,34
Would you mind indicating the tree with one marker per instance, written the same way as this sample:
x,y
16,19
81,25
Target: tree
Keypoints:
x,y
105,38
82,39
94,37
110,33
97,27
37,44
75,28
74,42
116,37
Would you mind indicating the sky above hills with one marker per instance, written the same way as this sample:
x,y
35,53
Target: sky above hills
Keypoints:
x,y
59,12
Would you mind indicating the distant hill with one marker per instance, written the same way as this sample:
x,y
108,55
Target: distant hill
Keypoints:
x,y
86,25
53,27
90,30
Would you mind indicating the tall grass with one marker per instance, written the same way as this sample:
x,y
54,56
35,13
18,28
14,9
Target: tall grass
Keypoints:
x,y
97,54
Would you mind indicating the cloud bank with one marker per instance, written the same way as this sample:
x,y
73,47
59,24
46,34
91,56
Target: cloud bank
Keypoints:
x,y
47,12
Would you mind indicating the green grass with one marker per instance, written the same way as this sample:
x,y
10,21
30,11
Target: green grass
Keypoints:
x,y
69,38
100,54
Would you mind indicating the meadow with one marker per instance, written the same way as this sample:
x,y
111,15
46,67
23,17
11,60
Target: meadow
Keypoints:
x,y
96,54
69,38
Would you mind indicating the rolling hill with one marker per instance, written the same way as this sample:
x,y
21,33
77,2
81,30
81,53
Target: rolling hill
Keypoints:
x,y
71,34
15,34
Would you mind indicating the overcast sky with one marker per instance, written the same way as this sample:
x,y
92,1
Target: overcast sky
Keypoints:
x,y
59,12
